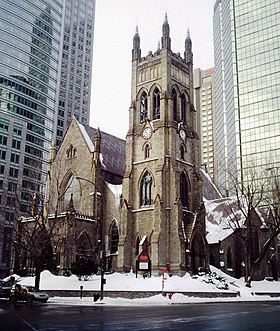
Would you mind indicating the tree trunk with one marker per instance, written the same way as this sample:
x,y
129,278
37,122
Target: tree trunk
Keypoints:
x,y
260,258
247,263
37,277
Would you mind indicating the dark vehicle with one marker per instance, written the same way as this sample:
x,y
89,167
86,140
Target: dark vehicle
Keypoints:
x,y
27,294
5,289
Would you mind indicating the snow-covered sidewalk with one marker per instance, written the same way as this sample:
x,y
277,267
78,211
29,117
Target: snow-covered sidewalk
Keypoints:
x,y
213,284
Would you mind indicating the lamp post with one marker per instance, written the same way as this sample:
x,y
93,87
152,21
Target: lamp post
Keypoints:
x,y
102,232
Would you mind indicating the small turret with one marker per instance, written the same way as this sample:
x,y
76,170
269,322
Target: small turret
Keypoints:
x,y
136,51
188,56
188,49
96,146
165,39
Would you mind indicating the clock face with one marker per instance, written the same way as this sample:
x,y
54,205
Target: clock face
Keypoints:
x,y
182,134
147,133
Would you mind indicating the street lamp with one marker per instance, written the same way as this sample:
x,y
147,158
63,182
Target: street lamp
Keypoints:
x,y
102,232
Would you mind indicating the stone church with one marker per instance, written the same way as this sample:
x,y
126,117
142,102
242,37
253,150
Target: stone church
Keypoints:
x,y
143,194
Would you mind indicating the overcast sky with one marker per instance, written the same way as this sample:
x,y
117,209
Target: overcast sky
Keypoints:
x,y
115,23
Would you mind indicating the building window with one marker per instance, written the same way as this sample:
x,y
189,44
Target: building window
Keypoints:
x,y
254,244
143,107
2,155
229,260
183,108
156,104
146,190
114,238
13,172
16,144
174,104
182,152
147,151
184,191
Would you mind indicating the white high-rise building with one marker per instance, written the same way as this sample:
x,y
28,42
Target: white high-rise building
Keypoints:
x,y
203,103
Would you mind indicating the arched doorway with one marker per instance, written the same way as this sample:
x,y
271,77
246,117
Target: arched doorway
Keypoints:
x,y
198,254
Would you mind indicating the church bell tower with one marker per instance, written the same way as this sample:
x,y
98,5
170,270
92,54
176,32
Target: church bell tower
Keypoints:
x,y
162,212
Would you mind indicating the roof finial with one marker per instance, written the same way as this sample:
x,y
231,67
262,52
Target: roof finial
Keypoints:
x,y
188,33
165,40
136,51
158,46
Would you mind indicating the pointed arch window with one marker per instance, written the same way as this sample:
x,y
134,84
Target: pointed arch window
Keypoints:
x,y
156,104
143,107
184,191
174,104
182,152
229,259
83,245
146,190
147,149
183,108
114,238
254,244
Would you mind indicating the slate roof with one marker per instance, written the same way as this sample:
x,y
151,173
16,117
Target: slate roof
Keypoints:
x,y
112,150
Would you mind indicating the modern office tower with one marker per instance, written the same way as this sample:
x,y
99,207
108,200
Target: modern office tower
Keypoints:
x,y
203,103
75,66
45,49
247,87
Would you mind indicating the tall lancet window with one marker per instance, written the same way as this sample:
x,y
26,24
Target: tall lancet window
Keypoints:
x,y
146,190
183,108
114,238
174,104
184,191
156,104
143,107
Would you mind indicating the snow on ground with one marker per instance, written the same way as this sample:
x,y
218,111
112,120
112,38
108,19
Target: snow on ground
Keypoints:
x,y
216,282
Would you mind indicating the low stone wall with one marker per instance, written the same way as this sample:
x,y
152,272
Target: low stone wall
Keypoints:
x,y
138,294
271,294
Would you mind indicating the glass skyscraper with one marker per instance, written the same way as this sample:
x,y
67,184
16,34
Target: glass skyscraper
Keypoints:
x,y
247,88
45,74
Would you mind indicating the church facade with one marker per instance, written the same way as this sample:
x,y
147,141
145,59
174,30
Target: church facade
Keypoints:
x,y
162,211
143,194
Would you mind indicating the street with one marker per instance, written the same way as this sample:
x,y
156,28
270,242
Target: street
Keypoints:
x,y
217,316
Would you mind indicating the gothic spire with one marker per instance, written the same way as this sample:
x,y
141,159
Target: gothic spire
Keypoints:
x,y
188,49
165,40
136,51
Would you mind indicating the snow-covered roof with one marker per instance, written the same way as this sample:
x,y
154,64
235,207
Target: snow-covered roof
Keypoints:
x,y
209,189
86,137
220,213
116,190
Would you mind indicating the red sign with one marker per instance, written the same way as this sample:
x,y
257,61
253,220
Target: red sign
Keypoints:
x,y
165,273
143,257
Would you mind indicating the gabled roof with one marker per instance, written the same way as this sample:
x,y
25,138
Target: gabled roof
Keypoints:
x,y
112,150
221,213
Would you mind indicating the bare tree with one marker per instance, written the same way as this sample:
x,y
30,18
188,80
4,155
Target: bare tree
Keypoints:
x,y
34,236
256,197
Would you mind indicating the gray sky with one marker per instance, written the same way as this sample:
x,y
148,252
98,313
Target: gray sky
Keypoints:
x,y
115,23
